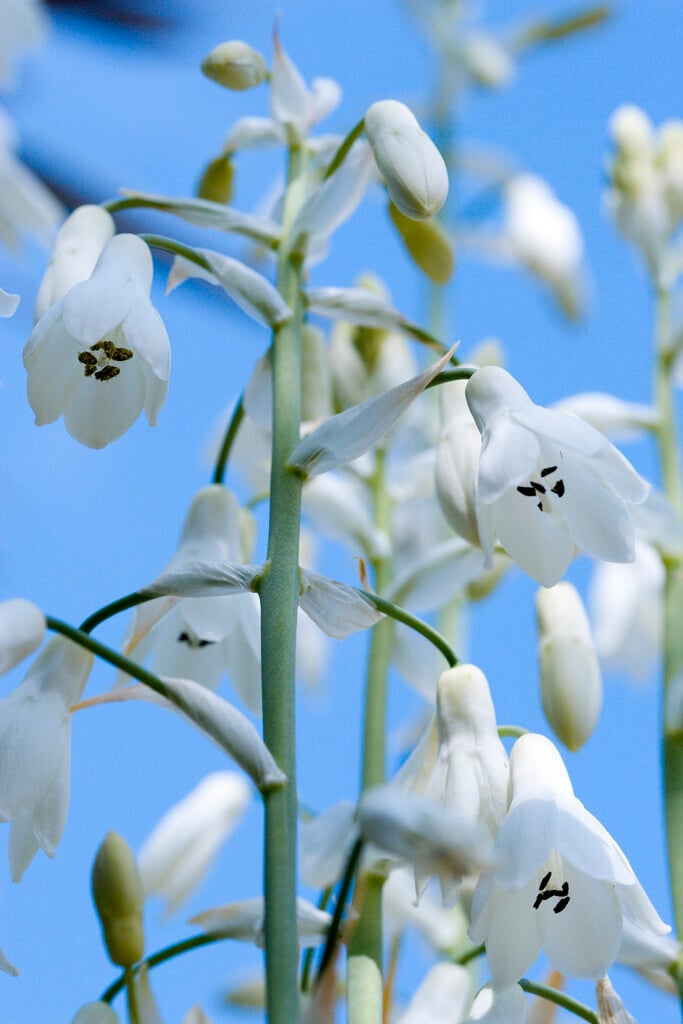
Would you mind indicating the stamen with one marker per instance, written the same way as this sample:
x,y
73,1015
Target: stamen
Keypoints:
x,y
528,492
544,894
537,487
558,489
192,640
548,470
106,373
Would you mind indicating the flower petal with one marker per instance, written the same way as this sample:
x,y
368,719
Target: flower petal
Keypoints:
x,y
596,517
22,630
538,541
335,607
99,412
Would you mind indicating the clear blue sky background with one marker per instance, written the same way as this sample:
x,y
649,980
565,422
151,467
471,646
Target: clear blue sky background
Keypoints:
x,y
78,528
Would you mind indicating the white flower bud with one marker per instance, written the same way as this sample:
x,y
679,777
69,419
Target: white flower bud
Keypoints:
x,y
412,167
235,65
571,684
631,129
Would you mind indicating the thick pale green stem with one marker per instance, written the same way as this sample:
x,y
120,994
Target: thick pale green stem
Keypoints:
x,y
672,733
279,595
364,986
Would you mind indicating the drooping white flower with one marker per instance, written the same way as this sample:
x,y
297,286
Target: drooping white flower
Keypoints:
x,y
22,631
35,750
571,683
547,483
412,167
178,853
101,353
561,884
75,251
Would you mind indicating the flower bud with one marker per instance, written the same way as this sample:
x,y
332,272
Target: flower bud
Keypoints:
x,y
119,898
427,243
216,182
96,1013
571,684
413,169
235,65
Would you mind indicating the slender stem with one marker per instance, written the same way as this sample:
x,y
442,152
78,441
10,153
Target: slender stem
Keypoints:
x,y
161,956
340,155
399,614
554,995
279,596
121,604
471,954
342,897
672,738
228,441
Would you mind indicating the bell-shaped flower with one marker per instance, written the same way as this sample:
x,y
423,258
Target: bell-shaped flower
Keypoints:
x,y
22,631
412,167
35,750
547,483
560,882
178,853
75,251
571,683
101,353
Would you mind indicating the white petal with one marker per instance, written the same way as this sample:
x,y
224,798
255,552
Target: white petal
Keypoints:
x,y
583,940
76,249
492,391
226,726
335,607
50,356
22,630
51,810
610,415
99,412
585,842
144,331
325,843
8,303
204,579
243,652
507,1006
509,455
596,517
333,201
289,97
353,432
355,306
538,541
204,213
244,920
23,845
512,940
339,505
326,95
250,290
443,996
437,576
526,838
254,133
96,1013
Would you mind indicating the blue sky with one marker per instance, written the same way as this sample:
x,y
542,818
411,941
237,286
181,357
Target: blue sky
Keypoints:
x,y
78,528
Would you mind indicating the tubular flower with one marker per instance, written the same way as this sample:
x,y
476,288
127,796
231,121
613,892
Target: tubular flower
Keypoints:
x,y
101,353
35,753
547,483
560,884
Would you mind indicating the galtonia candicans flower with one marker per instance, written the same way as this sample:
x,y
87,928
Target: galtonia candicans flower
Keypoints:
x,y
560,882
547,483
101,354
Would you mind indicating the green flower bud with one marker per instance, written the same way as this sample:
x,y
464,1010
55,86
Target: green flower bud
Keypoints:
x,y
235,65
427,243
119,898
216,183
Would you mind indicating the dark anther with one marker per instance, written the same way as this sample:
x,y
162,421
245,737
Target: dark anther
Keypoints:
x,y
548,470
539,488
193,641
544,881
562,894
87,358
121,354
558,489
559,907
106,373
528,492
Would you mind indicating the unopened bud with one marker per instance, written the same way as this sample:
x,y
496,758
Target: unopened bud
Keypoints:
x,y
235,65
571,684
413,169
217,180
611,1010
427,243
96,1013
119,898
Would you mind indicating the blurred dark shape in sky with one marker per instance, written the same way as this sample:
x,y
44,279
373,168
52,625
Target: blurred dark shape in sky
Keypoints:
x,y
129,15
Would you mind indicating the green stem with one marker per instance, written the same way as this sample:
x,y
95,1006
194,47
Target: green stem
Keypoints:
x,y
553,995
160,957
340,155
672,737
399,614
228,441
121,604
279,596
342,896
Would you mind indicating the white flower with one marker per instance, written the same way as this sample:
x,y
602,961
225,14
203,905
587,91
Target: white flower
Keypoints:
x,y
176,856
35,751
75,251
571,683
22,631
561,884
457,456
544,235
411,165
547,483
444,928
101,353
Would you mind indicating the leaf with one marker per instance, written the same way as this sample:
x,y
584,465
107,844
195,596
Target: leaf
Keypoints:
x,y
351,433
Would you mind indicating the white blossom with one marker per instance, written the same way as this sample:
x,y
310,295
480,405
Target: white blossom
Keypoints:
x,y
547,483
179,852
560,883
35,750
75,251
101,354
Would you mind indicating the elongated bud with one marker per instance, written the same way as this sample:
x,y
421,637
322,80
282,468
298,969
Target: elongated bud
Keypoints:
x,y
216,183
119,898
611,1010
235,65
427,243
571,684
413,169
